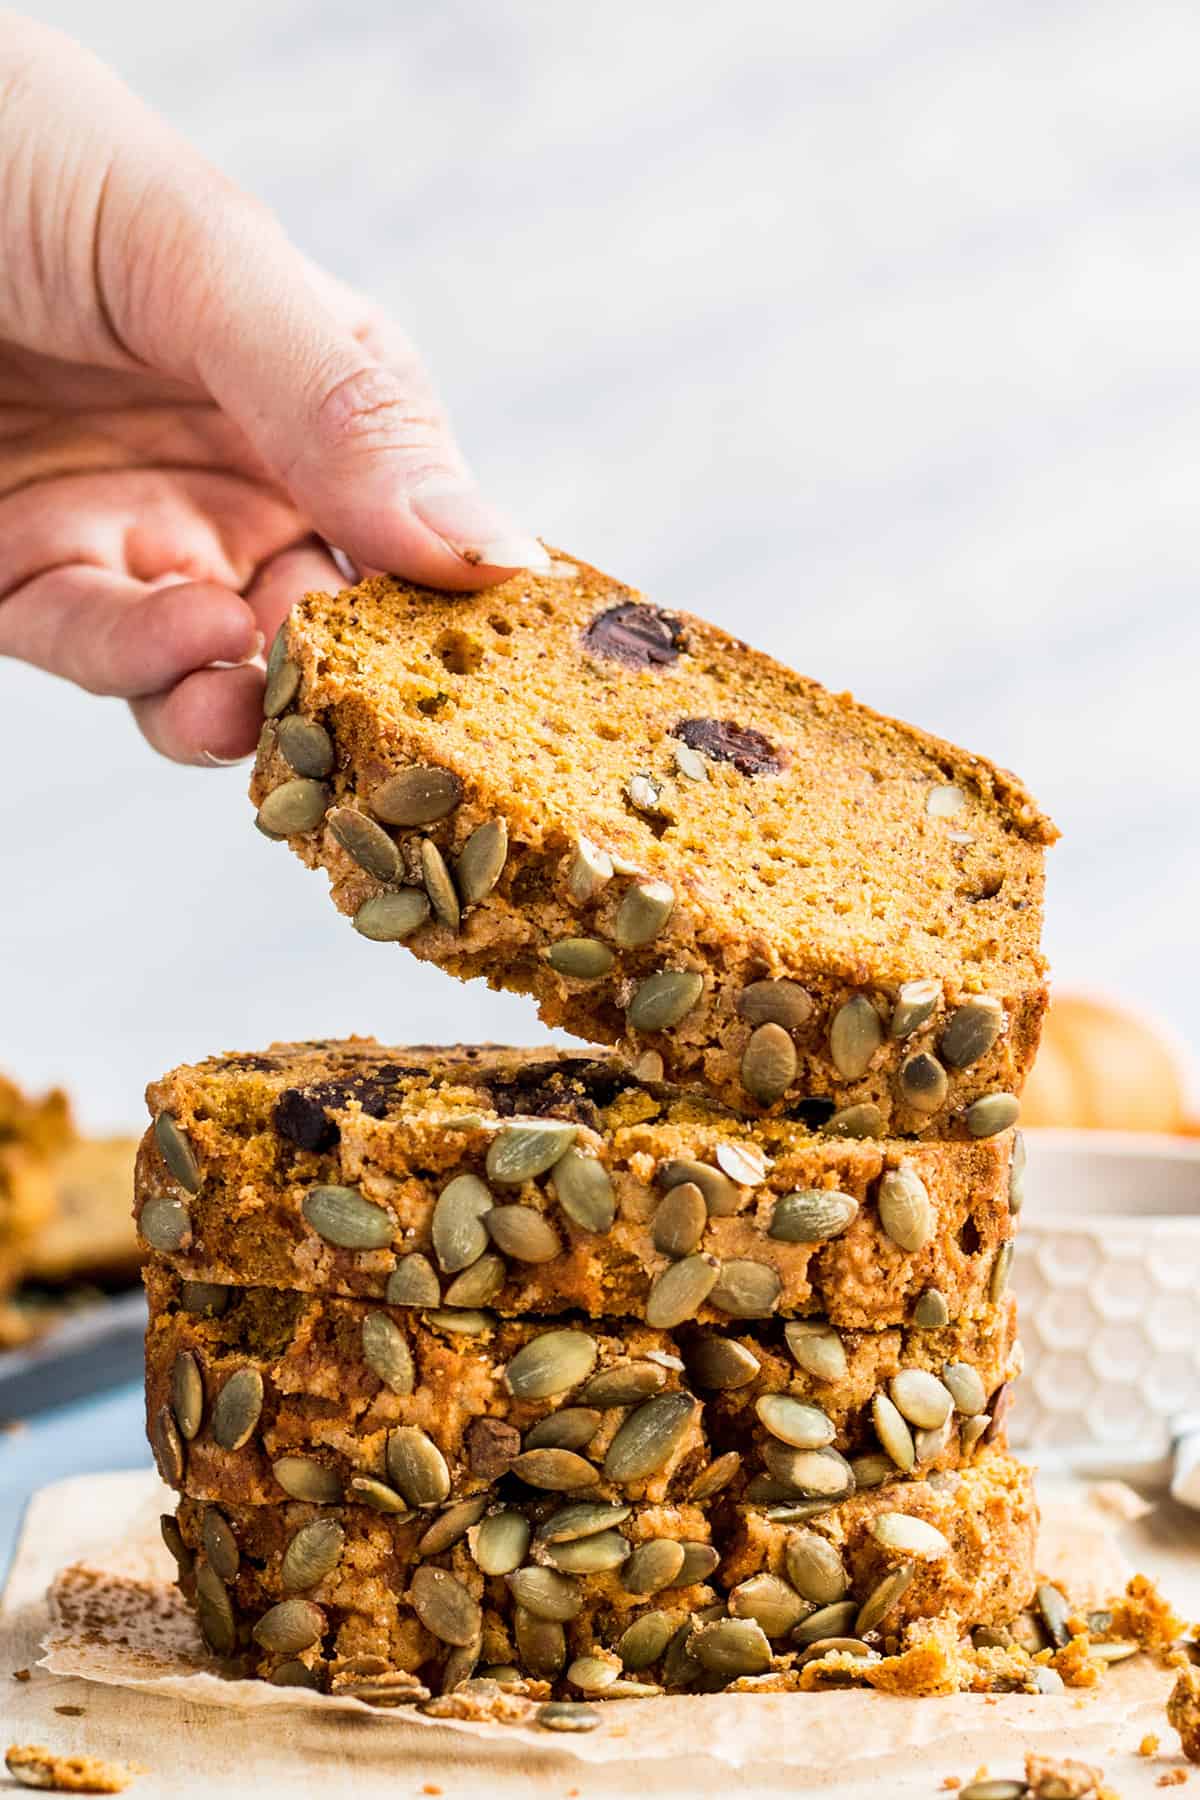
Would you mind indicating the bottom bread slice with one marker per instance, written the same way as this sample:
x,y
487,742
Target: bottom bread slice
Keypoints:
x,y
679,1597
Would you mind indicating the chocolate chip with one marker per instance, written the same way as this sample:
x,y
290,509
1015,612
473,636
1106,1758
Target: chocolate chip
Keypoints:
x,y
577,1092
302,1114
640,637
491,1447
748,750
814,1112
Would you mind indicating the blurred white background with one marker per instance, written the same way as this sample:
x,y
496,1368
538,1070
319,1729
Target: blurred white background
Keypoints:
x,y
869,331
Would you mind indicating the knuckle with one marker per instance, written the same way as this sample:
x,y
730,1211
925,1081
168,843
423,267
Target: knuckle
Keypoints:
x,y
371,410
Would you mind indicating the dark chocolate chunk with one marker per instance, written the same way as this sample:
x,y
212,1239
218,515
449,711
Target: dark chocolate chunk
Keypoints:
x,y
748,750
302,1114
550,1091
640,637
491,1447
813,1112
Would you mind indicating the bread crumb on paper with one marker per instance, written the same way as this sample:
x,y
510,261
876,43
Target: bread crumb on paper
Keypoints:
x,y
1183,1711
34,1766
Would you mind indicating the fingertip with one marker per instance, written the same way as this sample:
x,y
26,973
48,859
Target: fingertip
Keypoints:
x,y
210,719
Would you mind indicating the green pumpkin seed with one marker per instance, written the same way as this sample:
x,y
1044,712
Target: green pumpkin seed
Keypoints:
x,y
392,917
971,1030
992,1637
921,1398
457,1229
584,1190
966,1384
649,1438
931,1310
924,1083
571,1428
365,1490
811,1474
992,1113
343,1216
720,1194
501,1542
220,1545
995,1788
699,1562
930,1443
1052,1605
313,1553
237,1409
915,1006
721,1363
294,806
883,1597
590,869
653,1565
664,999
303,1479
452,1525
746,1290
623,1385
541,1644
187,1393
172,1537
972,1430
795,1422
680,1291
386,1353
855,1034
780,1002
523,1233
462,1321
1048,1681
481,861
592,1674
546,1593
771,1602
910,1536
439,885
283,678
679,1221
444,1606
743,1163
862,1120
294,1673
204,1299
817,1349
812,1216
582,1519
214,1611
177,1153
836,1620
528,1147
557,1471
893,1433
1016,1174
905,1209
413,1283
875,1469
1001,1267
165,1223
581,958
594,1555
289,1627
641,1644
815,1568
768,1066
305,746
365,843
417,1466
1114,1651
550,1363
644,910
479,1284
731,1647
419,795
566,1715
680,1668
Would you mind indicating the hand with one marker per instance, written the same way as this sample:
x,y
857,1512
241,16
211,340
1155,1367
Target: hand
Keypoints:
x,y
185,403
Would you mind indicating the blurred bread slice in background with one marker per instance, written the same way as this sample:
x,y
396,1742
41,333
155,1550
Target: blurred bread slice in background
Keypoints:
x,y
1103,1067
90,1235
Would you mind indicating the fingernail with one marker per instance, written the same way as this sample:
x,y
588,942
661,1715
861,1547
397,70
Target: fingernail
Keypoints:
x,y
252,655
473,529
222,762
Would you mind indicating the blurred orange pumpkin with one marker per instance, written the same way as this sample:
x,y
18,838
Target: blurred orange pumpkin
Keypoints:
x,y
1103,1068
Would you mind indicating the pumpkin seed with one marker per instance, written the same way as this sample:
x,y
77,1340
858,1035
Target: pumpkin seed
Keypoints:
x,y
1048,1681
566,1715
837,1646
644,910
649,1438
945,802
289,1627
1052,1605
478,1284
768,1066
522,1233
214,1611
909,1535
721,1363
187,1393
481,861
303,1479
584,1190
177,1152
771,1602
680,1668
855,1034
931,1310
386,1353
883,1596
528,1147
922,1398
743,1163
1001,1266
461,1321
418,795
641,1644
237,1409
994,1788
992,1637
966,1385
664,999
626,1384
972,1430
595,1555
893,1433
679,1221
311,1555
1100,1620
459,1667
812,1216
905,1210
294,806
571,1428
417,1466
389,918
652,1566
699,1562
924,1083
204,1299
1016,1174
165,1223
592,1674
795,1422
283,679
817,1349
1114,1651
915,1005
680,1291
590,870
169,1452
646,794
413,1283
874,1470
930,1442
731,1647
501,1542
172,1537
971,1030
541,1644
343,1216
582,1519
812,1474
365,1490
836,1620
582,958
720,1194
452,1525
439,885
992,1113
689,762
779,1002
815,1568
558,1471
305,746
863,1120
444,1606
550,1363
746,1290
365,843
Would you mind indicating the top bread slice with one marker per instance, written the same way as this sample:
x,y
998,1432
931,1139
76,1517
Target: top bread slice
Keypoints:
x,y
756,887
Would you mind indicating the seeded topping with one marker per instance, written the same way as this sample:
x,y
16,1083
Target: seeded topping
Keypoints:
x,y
637,636
726,741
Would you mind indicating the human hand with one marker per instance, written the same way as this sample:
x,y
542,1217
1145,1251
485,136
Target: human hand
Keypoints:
x,y
185,403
